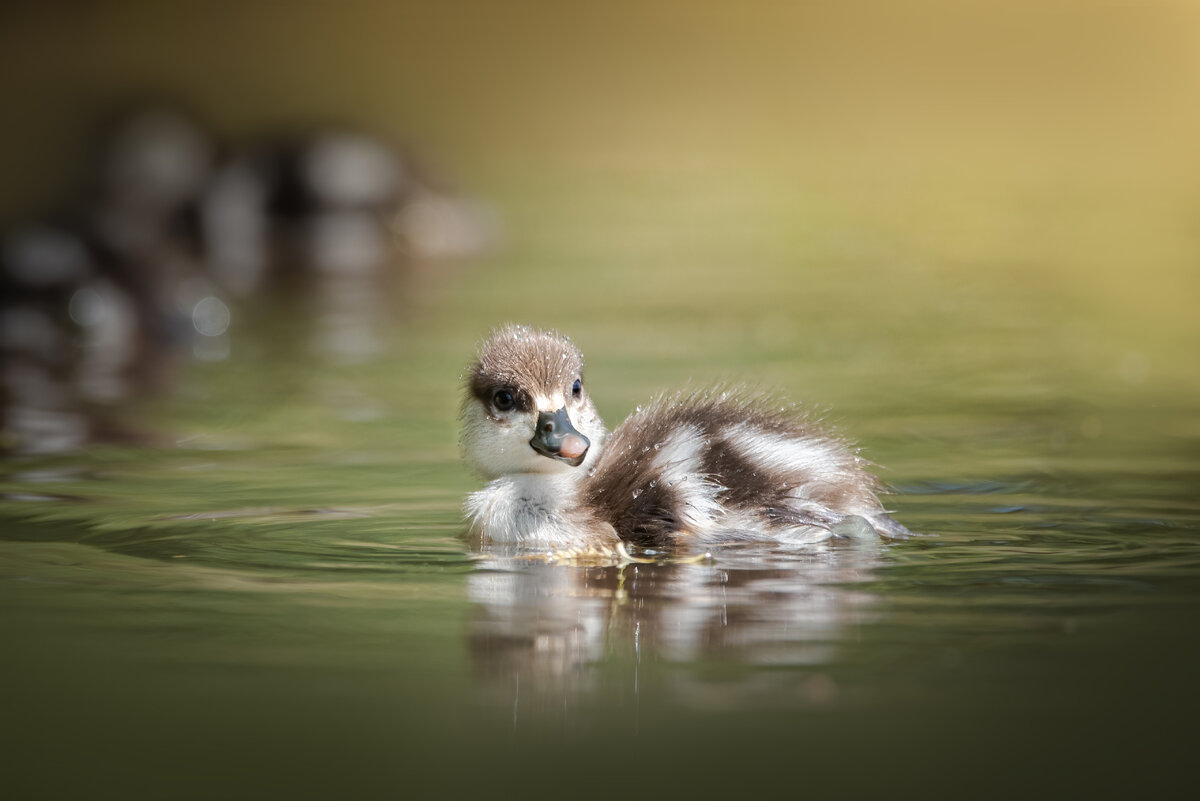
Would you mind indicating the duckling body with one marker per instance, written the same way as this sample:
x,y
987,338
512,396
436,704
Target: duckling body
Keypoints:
x,y
694,468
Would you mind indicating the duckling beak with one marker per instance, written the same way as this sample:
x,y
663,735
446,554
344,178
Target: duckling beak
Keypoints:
x,y
556,438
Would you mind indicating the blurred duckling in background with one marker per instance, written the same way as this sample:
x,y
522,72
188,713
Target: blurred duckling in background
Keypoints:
x,y
693,468
99,299
331,201
142,216
175,235
43,353
343,218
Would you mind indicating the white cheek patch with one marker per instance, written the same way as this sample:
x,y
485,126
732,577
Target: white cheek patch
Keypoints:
x,y
496,448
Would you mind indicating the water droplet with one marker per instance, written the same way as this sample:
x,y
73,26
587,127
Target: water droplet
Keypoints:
x,y
652,484
636,493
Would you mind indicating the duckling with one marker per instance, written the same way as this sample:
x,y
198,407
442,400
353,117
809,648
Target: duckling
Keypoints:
x,y
695,468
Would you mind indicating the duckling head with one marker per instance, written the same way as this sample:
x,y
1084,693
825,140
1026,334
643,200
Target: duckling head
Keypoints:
x,y
525,409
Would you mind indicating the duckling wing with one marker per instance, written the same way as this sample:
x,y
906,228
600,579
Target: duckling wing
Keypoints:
x,y
653,491
727,465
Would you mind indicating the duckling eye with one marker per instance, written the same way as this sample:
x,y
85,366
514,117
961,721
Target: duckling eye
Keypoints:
x,y
503,400
577,388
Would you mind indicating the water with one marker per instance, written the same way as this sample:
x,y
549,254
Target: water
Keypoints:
x,y
275,598
969,247
278,601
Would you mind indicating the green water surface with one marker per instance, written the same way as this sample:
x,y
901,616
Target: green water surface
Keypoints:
x,y
275,599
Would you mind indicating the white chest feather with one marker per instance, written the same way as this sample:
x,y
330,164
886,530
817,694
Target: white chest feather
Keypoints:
x,y
523,509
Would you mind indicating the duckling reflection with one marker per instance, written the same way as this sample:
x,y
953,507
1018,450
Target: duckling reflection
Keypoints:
x,y
544,635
